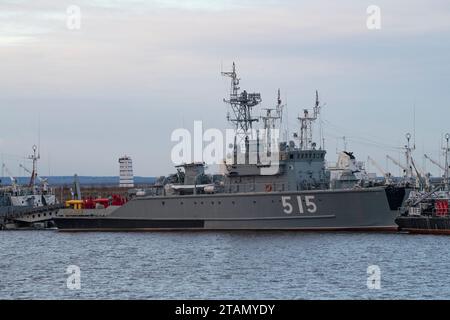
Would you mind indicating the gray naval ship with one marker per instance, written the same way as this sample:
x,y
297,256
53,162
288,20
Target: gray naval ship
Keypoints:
x,y
290,191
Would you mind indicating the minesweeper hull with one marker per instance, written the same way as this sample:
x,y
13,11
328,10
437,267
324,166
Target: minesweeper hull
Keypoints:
x,y
362,209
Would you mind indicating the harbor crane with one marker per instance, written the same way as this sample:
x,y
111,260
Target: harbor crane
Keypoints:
x,y
421,176
14,182
387,175
437,164
408,172
405,170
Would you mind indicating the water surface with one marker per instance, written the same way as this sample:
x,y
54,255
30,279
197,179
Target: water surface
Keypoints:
x,y
233,265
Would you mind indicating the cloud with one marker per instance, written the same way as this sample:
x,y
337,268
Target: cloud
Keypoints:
x,y
158,63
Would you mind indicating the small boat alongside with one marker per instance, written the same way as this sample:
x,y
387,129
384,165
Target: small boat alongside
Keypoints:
x,y
428,212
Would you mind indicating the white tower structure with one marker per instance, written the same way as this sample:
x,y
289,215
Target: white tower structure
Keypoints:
x,y
126,172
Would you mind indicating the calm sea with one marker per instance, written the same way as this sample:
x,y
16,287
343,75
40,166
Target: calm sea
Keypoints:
x,y
234,265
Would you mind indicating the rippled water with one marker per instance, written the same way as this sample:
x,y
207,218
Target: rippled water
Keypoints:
x,y
235,265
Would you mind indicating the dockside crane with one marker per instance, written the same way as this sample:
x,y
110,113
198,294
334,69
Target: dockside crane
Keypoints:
x,y
437,164
421,176
14,182
408,172
398,164
387,175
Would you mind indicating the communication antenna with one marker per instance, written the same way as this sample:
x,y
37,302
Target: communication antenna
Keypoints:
x,y
344,139
447,174
39,135
414,125
287,116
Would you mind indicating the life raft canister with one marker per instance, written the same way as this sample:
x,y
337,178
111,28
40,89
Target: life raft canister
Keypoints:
x,y
269,188
441,207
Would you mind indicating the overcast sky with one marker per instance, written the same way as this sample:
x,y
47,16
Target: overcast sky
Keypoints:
x,y
137,70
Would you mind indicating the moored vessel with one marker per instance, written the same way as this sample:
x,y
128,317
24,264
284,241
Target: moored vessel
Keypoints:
x,y
265,184
428,212
31,206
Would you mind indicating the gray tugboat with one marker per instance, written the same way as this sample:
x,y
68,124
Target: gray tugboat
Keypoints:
x,y
291,191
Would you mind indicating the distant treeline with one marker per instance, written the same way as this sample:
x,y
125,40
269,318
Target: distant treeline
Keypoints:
x,y
84,180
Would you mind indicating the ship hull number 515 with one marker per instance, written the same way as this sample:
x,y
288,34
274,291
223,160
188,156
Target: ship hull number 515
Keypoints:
x,y
299,205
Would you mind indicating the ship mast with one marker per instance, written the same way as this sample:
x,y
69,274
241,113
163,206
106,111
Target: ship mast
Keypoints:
x,y
242,104
269,121
35,157
408,154
447,174
306,132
